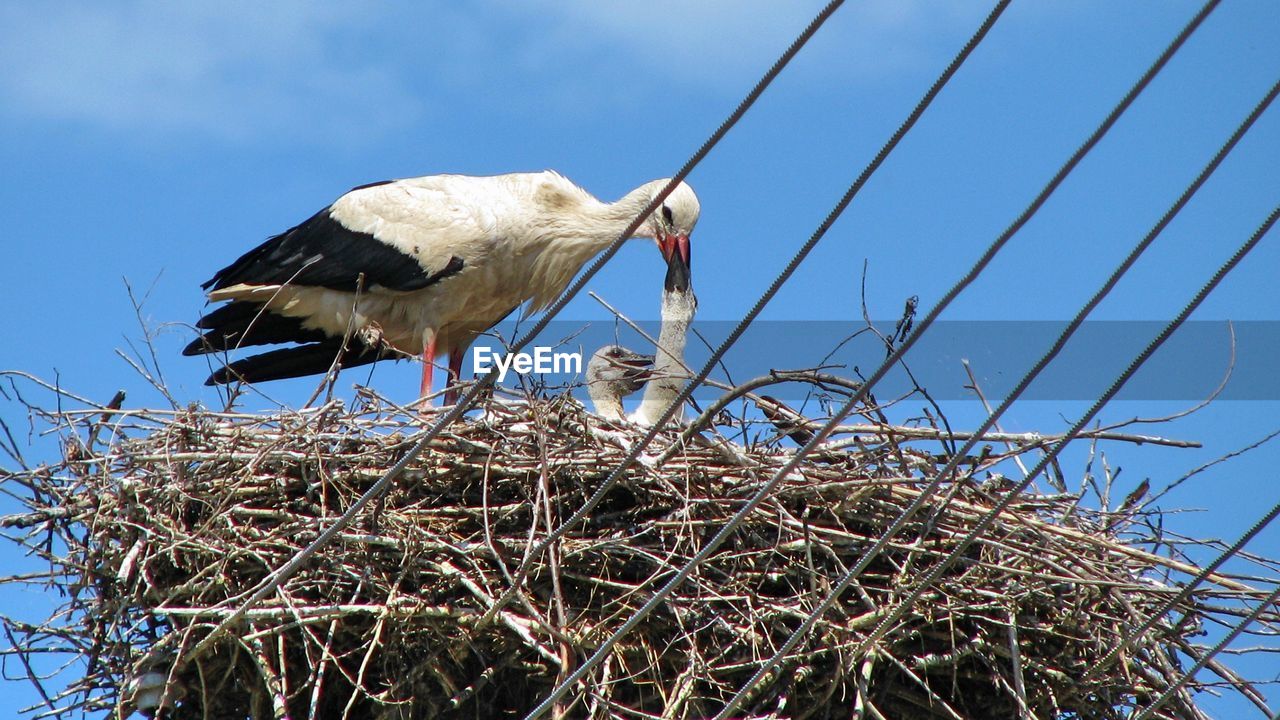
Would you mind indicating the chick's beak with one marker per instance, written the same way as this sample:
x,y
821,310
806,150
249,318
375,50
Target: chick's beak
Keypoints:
x,y
636,368
637,365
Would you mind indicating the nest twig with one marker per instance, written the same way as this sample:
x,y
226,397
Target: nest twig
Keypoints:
x,y
155,532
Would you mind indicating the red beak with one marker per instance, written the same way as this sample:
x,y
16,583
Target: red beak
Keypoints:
x,y
674,243
675,248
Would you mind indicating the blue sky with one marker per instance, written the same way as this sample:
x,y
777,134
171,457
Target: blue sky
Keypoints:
x,y
154,142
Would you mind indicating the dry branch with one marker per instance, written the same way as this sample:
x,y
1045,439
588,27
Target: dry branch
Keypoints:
x,y
156,536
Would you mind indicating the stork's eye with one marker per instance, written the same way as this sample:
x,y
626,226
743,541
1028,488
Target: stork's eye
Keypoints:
x,y
666,214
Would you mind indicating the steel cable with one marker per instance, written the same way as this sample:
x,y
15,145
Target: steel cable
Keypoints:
x,y
727,530
285,571
887,535
1204,660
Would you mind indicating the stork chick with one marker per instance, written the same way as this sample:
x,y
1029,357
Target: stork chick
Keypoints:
x,y
669,375
613,373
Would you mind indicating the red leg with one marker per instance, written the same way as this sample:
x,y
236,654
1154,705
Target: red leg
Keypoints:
x,y
455,373
428,360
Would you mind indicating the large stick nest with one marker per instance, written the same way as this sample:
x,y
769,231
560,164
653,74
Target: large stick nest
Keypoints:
x,y
159,528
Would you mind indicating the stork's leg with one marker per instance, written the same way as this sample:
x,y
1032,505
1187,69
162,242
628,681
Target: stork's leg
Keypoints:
x,y
455,373
428,360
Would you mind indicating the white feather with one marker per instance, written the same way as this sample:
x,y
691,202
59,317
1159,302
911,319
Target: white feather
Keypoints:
x,y
521,239
669,373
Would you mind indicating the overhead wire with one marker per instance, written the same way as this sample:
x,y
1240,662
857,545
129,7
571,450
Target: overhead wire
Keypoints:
x,y
558,692
1222,644
1183,594
889,533
985,521
786,273
274,579
821,434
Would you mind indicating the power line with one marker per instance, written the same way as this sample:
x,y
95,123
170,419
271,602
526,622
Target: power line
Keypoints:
x,y
563,687
887,535
1204,660
285,571
751,315
1017,391
985,521
558,692
1181,596
728,529
767,488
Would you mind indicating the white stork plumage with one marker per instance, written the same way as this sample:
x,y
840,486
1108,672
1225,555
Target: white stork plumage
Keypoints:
x,y
419,266
613,373
669,374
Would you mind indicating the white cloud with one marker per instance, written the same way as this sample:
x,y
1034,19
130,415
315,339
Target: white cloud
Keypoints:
x,y
228,69
291,69
708,42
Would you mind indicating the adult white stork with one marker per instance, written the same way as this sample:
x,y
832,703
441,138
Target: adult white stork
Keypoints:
x,y
419,266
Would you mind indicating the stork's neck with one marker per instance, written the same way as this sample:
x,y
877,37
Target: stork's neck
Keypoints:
x,y
612,218
572,228
669,374
606,403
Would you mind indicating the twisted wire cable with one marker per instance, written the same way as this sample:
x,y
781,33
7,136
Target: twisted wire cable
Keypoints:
x,y
284,572
948,470
727,530
1204,660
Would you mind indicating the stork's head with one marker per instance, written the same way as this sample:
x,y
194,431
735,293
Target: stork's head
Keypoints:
x,y
615,372
673,221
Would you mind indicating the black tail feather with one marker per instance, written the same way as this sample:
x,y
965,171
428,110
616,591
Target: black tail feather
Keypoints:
x,y
244,324
294,362
236,312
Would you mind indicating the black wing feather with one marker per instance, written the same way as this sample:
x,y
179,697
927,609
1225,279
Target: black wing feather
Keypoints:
x,y
242,324
323,252
319,252
295,362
